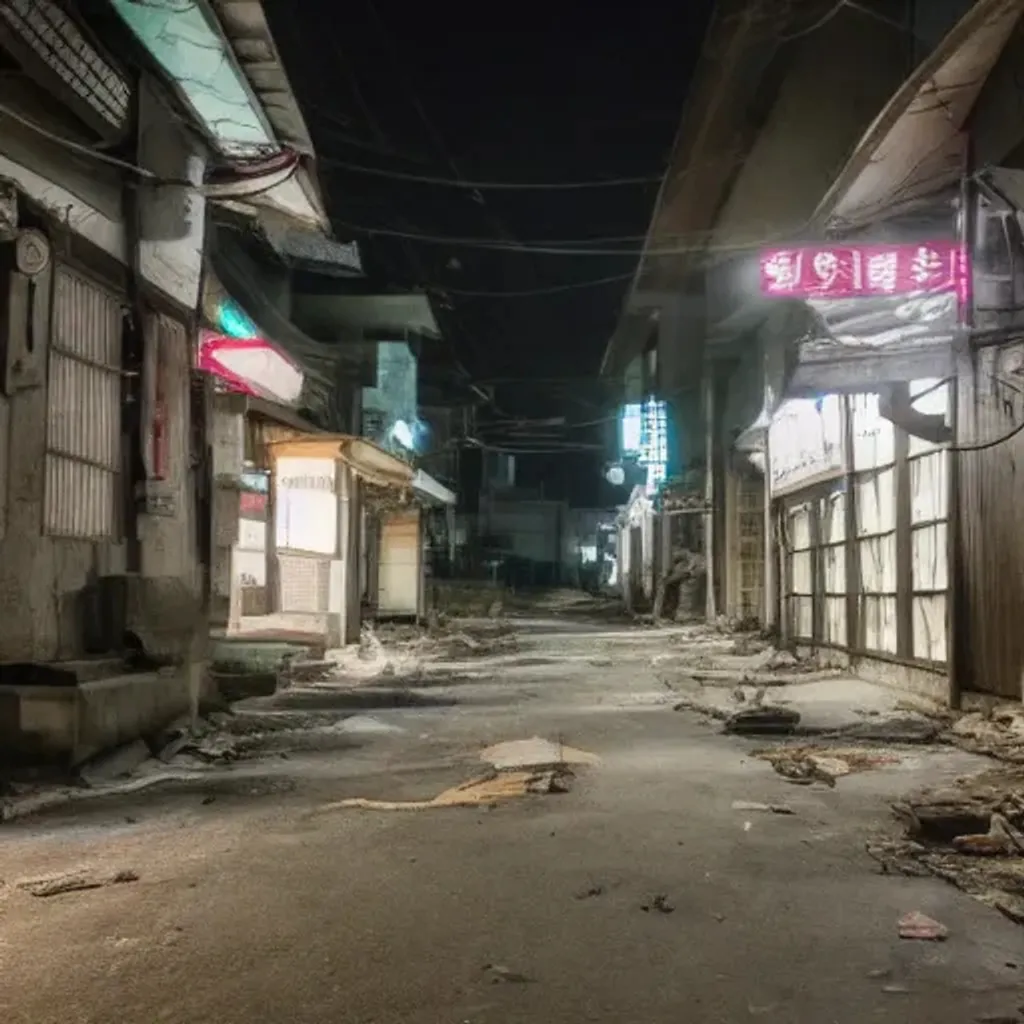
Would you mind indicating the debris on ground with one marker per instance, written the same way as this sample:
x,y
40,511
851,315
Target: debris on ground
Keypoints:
x,y
764,720
804,765
907,730
921,927
660,903
590,892
1001,840
969,834
708,710
503,976
749,805
997,732
58,885
535,753
116,764
486,791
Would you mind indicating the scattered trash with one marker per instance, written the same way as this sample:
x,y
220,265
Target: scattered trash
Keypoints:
x,y
916,925
502,975
746,805
587,894
899,990
58,885
879,973
487,790
659,903
765,720
968,834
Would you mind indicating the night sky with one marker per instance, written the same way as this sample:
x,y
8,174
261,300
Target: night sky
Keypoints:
x,y
556,92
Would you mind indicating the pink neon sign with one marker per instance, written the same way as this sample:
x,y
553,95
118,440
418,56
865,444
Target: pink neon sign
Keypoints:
x,y
863,271
250,366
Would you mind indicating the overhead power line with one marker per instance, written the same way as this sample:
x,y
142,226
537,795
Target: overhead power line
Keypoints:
x,y
554,289
508,186
701,242
472,241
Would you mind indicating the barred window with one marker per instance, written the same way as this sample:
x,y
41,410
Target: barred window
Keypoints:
x,y
83,431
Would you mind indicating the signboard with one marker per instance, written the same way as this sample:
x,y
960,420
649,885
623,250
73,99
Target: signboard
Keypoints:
x,y
805,443
864,271
306,510
250,366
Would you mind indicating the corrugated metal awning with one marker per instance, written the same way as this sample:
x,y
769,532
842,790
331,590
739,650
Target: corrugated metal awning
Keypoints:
x,y
917,145
244,25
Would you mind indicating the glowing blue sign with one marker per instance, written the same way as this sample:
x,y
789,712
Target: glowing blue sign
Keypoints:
x,y
643,431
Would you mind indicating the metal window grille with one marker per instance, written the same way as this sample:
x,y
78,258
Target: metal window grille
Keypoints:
x,y
83,431
57,41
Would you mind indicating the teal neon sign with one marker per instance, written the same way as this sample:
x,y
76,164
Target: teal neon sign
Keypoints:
x,y
232,321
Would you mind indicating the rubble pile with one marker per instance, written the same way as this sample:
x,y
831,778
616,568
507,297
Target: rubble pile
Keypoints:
x,y
804,765
969,834
997,732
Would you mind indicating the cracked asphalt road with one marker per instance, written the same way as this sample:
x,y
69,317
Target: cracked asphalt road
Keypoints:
x,y
257,905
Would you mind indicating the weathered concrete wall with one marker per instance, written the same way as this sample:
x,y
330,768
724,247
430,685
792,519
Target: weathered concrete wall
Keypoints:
x,y
168,533
69,724
681,329
997,121
839,78
172,218
41,577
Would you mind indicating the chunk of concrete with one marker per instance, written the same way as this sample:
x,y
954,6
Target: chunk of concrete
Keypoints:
x,y
117,764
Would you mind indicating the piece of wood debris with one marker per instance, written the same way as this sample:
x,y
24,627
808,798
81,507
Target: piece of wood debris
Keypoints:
x,y
749,805
82,881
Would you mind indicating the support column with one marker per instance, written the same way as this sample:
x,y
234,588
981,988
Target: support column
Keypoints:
x,y
769,596
710,607
344,612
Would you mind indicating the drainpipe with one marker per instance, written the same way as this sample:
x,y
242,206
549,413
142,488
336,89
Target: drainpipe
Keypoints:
x,y
132,366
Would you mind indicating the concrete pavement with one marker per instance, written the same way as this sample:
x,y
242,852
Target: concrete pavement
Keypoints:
x,y
253,903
